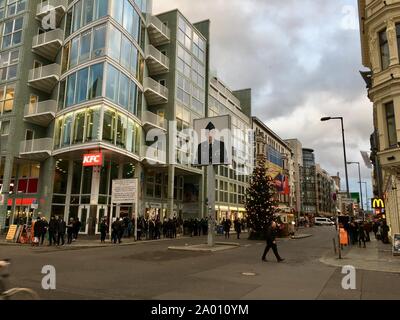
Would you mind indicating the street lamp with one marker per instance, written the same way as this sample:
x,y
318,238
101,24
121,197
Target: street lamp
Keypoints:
x,y
366,194
344,150
359,181
345,168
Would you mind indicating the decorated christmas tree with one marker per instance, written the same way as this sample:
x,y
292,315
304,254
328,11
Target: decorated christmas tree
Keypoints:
x,y
260,201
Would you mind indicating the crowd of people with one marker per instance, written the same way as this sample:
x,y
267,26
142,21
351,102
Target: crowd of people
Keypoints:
x,y
55,231
359,232
154,228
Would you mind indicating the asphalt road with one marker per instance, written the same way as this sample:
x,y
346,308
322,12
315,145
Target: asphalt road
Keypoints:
x,y
151,271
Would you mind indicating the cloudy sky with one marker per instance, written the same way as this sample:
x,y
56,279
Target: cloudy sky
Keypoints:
x,y
302,61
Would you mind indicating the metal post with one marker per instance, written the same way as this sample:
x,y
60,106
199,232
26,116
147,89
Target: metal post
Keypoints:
x,y
345,159
361,193
111,218
211,204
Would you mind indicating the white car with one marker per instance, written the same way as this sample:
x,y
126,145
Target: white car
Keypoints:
x,y
319,221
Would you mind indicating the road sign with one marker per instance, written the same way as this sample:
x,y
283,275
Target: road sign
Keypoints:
x,y
124,191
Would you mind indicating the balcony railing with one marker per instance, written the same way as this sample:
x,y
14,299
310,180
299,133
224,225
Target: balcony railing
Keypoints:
x,y
153,119
157,62
37,149
48,43
159,33
41,113
45,78
154,155
59,7
155,92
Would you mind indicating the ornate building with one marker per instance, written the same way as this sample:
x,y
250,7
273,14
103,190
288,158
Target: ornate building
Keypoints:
x,y
380,43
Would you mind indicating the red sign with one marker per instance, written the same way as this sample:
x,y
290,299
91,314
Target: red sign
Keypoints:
x,y
93,160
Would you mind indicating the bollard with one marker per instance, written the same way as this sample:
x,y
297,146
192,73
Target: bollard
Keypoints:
x,y
334,245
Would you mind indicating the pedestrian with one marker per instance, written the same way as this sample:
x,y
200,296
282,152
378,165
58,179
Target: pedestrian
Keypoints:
x,y
238,227
271,234
44,228
130,227
103,230
53,228
361,235
114,231
37,232
227,228
375,228
70,230
385,232
62,228
77,229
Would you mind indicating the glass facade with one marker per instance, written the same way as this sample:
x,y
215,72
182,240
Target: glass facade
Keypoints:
x,y
84,126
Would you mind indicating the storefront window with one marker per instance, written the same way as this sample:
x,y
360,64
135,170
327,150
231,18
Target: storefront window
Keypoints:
x,y
76,177
108,125
57,133
87,180
103,179
79,127
67,125
61,177
121,131
93,124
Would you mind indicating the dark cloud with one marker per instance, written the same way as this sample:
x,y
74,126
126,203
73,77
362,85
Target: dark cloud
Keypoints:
x,y
301,58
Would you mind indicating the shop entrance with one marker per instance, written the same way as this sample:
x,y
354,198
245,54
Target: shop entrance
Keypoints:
x,y
22,215
83,215
101,214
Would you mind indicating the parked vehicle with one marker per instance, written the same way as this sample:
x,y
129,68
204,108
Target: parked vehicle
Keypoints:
x,y
320,221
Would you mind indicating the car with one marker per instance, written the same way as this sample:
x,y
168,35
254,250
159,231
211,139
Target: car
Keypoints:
x,y
321,221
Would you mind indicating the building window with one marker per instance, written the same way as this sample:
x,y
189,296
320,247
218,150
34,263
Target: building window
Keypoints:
x,y
391,124
7,95
12,33
384,48
5,128
86,11
14,7
8,65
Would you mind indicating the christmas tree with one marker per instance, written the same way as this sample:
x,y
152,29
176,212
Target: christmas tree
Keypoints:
x,y
260,201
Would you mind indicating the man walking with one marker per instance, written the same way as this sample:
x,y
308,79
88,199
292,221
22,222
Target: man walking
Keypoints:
x,y
271,242
44,227
238,227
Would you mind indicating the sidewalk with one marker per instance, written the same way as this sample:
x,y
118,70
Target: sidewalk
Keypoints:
x,y
376,257
88,243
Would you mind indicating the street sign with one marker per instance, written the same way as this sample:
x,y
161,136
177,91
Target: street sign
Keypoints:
x,y
35,204
124,191
377,203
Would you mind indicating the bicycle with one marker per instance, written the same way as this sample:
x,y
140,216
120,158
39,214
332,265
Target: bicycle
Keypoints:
x,y
14,293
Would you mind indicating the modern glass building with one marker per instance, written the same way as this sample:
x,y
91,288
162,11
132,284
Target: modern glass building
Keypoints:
x,y
232,181
308,183
98,77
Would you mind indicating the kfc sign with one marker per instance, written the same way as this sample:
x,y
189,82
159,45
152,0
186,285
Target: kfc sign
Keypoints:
x,y
93,160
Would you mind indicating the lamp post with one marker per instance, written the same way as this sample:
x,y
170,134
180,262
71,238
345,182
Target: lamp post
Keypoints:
x,y
366,194
359,181
344,150
345,168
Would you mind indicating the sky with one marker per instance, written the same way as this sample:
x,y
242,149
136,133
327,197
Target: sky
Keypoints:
x,y
302,60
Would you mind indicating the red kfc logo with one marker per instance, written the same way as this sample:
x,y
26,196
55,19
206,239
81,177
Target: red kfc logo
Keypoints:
x,y
93,160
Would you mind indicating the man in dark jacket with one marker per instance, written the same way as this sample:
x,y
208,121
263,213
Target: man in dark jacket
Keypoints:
x,y
70,230
77,228
43,229
238,227
53,229
271,242
62,228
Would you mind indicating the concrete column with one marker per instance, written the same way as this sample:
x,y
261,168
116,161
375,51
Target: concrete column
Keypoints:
x,y
8,167
46,183
139,174
202,207
69,188
170,205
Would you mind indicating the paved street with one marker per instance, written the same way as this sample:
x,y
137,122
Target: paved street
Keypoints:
x,y
151,271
